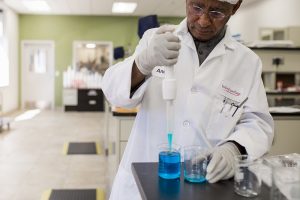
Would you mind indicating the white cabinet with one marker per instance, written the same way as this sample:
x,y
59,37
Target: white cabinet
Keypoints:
x,y
287,136
70,97
122,149
119,131
125,128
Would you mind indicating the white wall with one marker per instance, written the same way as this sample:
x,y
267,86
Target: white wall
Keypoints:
x,y
10,94
264,13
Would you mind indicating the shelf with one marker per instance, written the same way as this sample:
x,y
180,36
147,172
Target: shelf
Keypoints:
x,y
276,48
283,93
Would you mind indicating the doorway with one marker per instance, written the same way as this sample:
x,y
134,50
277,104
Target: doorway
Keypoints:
x,y
38,74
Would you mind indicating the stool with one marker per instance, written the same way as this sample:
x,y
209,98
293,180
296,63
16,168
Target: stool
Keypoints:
x,y
4,122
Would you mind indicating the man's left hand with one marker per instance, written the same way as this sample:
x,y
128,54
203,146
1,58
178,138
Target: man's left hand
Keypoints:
x,y
221,165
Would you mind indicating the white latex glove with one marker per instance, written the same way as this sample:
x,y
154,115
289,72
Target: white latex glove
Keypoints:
x,y
163,50
221,165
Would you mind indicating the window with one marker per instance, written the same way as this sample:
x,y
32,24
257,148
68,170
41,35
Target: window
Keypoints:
x,y
38,61
1,24
4,67
92,56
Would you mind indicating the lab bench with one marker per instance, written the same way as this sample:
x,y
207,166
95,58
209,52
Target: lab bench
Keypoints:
x,y
286,140
151,186
120,125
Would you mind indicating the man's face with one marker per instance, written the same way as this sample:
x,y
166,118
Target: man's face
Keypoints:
x,y
206,18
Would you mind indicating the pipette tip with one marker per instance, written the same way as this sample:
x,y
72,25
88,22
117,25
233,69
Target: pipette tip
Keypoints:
x,y
170,138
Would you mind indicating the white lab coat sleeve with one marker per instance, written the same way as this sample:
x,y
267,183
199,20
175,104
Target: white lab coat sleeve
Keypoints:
x,y
116,82
255,129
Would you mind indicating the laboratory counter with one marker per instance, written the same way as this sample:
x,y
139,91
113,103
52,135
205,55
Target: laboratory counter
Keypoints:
x,y
284,116
286,131
122,112
152,187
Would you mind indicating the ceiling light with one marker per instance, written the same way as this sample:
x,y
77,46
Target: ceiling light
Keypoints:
x,y
36,5
124,7
90,46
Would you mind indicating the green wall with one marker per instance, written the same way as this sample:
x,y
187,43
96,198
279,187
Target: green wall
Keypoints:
x,y
122,31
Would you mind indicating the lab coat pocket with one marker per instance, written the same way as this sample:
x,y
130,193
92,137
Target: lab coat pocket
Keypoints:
x,y
222,120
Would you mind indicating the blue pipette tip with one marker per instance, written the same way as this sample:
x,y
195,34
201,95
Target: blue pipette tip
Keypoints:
x,y
170,138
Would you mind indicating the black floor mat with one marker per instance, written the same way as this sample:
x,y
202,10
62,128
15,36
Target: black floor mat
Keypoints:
x,y
82,148
81,194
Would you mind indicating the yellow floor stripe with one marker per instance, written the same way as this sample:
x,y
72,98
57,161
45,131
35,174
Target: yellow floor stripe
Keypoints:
x,y
46,195
100,194
111,149
65,149
98,148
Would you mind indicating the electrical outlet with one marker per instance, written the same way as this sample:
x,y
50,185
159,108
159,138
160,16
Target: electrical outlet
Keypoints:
x,y
277,61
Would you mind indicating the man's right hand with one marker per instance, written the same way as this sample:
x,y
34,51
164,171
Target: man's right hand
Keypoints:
x,y
163,50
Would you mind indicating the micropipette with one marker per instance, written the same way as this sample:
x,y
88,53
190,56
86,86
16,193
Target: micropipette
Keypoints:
x,y
169,93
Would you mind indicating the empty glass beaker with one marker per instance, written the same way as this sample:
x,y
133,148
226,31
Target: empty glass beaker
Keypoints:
x,y
195,163
247,180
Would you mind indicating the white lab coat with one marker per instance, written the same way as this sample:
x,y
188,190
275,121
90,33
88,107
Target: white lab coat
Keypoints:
x,y
231,70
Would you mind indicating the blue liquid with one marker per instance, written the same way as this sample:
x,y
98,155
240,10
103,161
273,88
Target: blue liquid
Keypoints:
x,y
169,165
194,178
195,172
170,138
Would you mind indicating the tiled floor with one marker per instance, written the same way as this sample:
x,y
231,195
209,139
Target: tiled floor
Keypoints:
x,y
32,160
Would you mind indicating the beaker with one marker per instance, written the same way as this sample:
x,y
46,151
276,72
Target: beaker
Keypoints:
x,y
195,163
247,180
169,161
285,183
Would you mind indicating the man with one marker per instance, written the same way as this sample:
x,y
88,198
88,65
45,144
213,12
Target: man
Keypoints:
x,y
219,94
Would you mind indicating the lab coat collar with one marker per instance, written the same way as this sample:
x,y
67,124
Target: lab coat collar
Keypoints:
x,y
228,41
184,35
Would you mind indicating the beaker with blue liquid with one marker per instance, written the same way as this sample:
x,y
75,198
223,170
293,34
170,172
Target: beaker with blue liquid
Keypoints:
x,y
169,161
